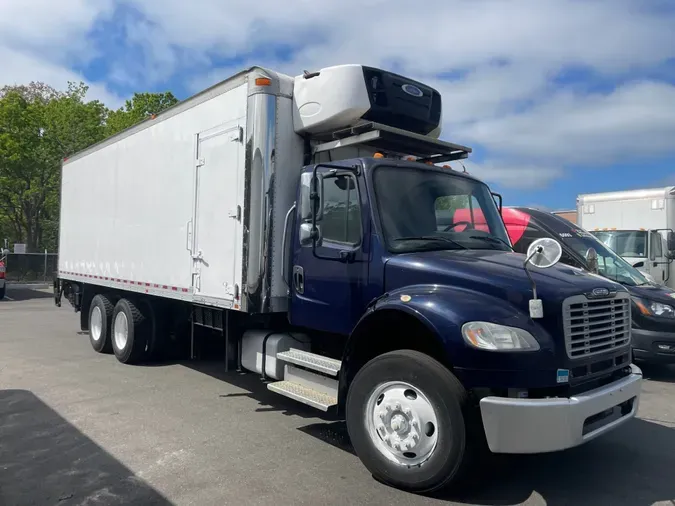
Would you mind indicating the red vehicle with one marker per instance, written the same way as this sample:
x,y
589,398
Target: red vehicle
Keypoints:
x,y
2,280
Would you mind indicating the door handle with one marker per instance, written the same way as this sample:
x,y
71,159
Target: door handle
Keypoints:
x,y
347,256
188,227
299,279
199,256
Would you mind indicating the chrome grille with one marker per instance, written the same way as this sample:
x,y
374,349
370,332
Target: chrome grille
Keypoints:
x,y
594,326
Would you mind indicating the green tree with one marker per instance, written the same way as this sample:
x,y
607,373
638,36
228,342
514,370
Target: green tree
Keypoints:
x,y
452,203
39,126
140,107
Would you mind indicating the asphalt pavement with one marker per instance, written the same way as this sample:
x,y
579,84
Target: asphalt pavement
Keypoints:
x,y
79,428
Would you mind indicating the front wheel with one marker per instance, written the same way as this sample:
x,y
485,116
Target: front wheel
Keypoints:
x,y
405,420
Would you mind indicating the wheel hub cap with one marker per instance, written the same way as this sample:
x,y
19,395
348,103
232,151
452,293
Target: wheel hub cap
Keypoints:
x,y
96,324
402,423
121,331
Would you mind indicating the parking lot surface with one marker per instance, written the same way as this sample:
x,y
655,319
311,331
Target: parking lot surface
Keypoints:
x,y
79,428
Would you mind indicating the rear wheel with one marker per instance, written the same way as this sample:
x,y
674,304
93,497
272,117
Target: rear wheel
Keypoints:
x,y
129,332
405,420
100,316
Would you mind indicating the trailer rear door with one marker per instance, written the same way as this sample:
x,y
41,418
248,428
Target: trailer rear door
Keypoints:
x,y
218,211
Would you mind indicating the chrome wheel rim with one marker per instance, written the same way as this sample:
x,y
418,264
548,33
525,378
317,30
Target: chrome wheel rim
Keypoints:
x,y
121,331
96,324
402,423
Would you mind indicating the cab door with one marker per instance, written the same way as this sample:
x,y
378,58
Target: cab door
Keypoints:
x,y
328,276
658,264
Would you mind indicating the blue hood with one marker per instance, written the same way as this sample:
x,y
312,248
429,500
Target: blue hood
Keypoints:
x,y
492,272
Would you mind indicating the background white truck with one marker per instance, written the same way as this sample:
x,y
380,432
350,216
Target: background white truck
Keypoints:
x,y
296,218
638,225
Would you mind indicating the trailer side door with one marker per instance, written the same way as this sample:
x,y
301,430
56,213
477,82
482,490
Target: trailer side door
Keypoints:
x,y
217,212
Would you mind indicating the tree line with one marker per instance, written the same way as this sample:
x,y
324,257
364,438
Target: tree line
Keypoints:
x,y
39,127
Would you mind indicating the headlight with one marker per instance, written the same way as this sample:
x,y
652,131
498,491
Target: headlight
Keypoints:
x,y
494,337
652,308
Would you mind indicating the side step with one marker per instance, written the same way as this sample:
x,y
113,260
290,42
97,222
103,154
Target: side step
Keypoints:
x,y
312,361
315,389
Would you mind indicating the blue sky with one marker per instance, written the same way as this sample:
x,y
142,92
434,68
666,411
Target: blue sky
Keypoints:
x,y
557,97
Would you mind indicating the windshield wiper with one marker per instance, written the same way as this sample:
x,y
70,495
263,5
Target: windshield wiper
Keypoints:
x,y
431,238
491,238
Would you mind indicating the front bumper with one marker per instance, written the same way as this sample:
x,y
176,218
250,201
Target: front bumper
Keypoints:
x,y
545,425
646,343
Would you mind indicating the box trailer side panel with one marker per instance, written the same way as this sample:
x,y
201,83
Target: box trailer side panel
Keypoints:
x,y
626,210
145,210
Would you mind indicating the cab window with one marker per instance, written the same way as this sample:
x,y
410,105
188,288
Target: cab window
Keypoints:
x,y
657,247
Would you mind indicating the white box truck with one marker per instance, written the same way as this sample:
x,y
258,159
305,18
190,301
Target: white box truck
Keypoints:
x,y
296,217
638,225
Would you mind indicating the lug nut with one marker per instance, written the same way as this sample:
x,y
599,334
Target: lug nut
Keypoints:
x,y
397,406
408,412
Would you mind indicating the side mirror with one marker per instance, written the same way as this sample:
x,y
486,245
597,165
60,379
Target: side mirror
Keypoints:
x,y
671,243
592,260
309,235
307,204
544,252
498,200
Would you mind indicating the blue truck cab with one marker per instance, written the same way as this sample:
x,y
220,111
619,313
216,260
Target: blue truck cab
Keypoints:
x,y
310,231
437,325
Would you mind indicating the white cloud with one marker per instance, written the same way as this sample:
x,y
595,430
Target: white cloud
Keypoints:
x,y
635,120
507,54
21,68
510,174
41,39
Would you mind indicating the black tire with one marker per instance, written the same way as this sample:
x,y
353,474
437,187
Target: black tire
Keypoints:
x,y
102,344
137,331
2,292
448,399
156,330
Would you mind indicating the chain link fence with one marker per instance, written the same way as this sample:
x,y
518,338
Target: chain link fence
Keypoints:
x,y
30,267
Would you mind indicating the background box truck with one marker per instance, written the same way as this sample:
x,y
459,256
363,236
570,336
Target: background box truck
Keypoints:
x,y
638,225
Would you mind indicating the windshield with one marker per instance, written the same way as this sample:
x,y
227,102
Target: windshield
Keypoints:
x,y
610,264
626,243
424,210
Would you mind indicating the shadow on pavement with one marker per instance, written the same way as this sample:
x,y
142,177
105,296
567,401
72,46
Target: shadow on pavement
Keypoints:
x,y
46,460
658,372
630,467
24,293
255,388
